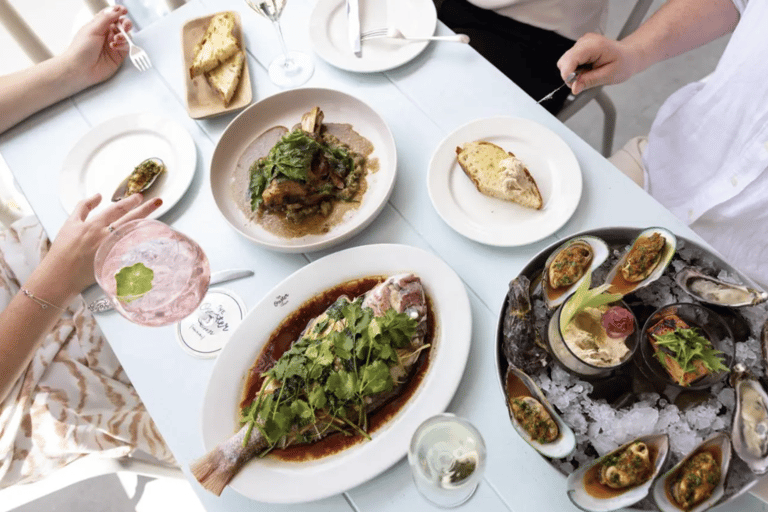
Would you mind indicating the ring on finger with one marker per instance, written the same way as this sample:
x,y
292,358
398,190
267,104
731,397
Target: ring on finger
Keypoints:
x,y
111,228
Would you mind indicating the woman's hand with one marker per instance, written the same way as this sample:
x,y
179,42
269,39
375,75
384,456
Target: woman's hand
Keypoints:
x,y
611,62
98,49
68,267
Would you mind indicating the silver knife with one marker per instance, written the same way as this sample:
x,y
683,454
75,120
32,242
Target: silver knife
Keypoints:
x,y
568,81
222,276
353,26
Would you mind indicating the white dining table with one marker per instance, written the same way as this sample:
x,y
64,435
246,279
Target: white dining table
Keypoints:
x,y
422,101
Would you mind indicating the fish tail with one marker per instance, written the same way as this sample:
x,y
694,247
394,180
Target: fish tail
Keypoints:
x,y
216,469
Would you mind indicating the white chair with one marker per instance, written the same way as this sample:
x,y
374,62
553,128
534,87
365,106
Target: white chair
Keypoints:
x,y
575,103
90,466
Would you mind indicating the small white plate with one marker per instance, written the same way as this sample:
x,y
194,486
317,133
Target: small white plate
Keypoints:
x,y
108,153
493,221
286,109
328,32
268,479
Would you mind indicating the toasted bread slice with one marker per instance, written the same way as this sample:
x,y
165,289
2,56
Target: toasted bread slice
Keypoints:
x,y
217,45
224,78
499,174
666,325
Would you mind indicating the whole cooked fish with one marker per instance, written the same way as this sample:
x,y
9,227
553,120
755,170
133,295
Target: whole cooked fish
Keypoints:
x,y
348,362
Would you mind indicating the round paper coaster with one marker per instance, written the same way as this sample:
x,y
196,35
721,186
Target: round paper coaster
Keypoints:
x,y
204,332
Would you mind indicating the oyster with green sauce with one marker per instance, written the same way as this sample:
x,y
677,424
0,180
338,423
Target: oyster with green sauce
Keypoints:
x,y
141,178
644,262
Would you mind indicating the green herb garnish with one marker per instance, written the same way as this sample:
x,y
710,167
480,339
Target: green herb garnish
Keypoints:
x,y
584,298
687,346
291,159
324,379
133,282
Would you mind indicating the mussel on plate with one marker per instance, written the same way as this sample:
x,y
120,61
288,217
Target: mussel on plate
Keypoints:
x,y
713,291
644,262
697,482
140,179
568,265
620,478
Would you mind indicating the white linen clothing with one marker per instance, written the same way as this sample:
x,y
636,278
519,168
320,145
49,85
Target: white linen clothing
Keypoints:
x,y
707,156
569,18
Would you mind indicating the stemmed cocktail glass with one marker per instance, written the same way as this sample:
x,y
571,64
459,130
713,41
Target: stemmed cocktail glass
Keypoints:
x,y
292,68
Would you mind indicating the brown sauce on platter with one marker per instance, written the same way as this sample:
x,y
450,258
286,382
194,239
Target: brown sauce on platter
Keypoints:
x,y
515,387
291,328
316,224
592,484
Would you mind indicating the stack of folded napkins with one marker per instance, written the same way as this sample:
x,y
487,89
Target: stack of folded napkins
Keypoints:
x,y
219,57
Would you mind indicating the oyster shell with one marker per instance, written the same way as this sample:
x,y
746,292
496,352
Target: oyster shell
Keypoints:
x,y
522,344
713,458
750,421
141,178
586,492
720,293
593,252
551,436
625,277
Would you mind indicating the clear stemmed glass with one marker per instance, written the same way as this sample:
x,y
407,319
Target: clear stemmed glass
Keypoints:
x,y
292,68
152,274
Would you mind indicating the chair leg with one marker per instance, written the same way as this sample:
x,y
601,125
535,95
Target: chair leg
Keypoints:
x,y
609,122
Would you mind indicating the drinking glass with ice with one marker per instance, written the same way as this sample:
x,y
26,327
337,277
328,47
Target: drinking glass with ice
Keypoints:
x,y
152,274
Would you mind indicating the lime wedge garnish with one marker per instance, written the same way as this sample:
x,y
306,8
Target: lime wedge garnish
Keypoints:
x,y
133,282
584,298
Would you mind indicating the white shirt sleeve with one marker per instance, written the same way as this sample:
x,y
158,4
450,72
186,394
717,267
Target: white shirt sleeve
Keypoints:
x,y
740,5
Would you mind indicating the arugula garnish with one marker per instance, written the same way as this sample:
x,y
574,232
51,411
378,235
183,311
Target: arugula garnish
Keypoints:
x,y
324,379
688,345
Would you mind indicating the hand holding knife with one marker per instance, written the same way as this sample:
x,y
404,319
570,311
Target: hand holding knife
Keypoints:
x,y
568,80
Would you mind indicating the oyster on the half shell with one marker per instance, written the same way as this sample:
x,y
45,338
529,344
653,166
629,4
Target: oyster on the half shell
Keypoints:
x,y
720,293
697,482
140,179
750,421
636,463
568,265
644,262
534,418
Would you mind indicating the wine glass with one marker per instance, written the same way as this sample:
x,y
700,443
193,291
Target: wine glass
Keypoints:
x,y
447,457
152,274
292,68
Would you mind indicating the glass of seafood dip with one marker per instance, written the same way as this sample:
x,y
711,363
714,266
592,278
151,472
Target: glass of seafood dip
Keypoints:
x,y
597,341
447,457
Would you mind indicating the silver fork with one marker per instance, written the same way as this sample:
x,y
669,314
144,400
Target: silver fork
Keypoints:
x,y
138,56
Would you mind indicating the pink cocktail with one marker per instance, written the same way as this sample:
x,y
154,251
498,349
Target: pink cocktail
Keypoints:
x,y
179,271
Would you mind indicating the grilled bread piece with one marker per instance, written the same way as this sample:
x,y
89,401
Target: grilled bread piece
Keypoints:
x,y
224,78
218,44
499,174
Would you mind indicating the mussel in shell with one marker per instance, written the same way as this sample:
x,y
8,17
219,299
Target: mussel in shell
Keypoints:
x,y
750,421
141,178
644,262
620,478
568,265
697,482
714,291
534,418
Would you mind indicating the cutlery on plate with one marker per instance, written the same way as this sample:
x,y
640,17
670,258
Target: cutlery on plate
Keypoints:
x,y
103,304
395,33
353,26
568,81
138,56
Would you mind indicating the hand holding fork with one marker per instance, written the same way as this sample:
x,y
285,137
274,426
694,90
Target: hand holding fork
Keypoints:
x,y
138,56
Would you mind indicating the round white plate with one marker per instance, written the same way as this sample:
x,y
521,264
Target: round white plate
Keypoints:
x,y
493,221
286,109
328,32
268,479
108,153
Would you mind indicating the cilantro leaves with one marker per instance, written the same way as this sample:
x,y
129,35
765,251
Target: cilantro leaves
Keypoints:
x,y
325,379
686,346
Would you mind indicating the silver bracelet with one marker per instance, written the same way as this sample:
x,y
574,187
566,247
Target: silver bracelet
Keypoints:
x,y
42,303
